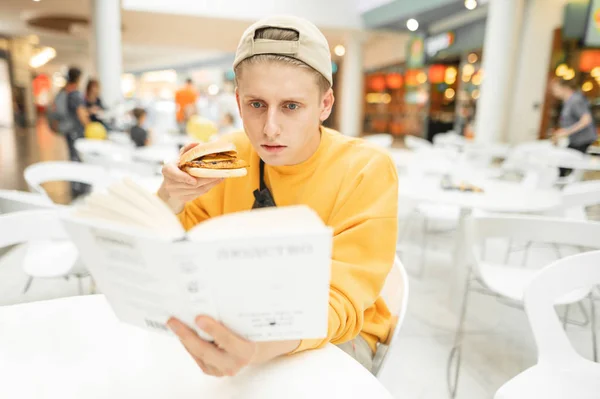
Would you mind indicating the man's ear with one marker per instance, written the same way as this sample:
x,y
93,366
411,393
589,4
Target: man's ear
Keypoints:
x,y
326,105
237,100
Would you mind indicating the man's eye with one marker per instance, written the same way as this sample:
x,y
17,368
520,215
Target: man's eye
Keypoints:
x,y
292,106
255,104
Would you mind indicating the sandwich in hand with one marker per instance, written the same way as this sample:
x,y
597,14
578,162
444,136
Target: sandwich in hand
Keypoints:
x,y
213,160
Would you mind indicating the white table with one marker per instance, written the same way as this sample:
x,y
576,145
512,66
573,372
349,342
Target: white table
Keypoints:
x,y
588,162
156,154
402,157
75,348
497,196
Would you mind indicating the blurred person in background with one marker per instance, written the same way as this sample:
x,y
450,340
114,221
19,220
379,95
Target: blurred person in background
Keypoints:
x,y
93,102
185,101
227,124
575,121
284,93
201,129
78,114
139,135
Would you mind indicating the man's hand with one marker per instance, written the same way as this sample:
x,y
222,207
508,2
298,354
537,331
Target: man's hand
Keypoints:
x,y
560,133
229,353
179,187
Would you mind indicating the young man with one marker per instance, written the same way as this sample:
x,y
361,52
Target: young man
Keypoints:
x,y
284,78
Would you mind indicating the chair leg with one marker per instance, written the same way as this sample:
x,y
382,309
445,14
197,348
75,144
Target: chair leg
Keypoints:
x,y
423,246
405,228
508,251
593,327
566,317
586,318
79,285
526,253
557,251
27,285
456,351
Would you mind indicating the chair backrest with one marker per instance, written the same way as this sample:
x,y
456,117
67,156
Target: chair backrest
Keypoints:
x,y
552,282
13,201
32,225
415,143
102,152
382,140
540,229
581,194
449,139
43,172
395,294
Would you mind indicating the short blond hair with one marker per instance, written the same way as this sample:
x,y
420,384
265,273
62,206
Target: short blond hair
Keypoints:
x,y
284,35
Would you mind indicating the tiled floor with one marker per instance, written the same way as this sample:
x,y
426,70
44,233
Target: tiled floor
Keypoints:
x,y
498,344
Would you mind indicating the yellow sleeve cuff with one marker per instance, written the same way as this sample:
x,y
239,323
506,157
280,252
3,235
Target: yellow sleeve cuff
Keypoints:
x,y
307,344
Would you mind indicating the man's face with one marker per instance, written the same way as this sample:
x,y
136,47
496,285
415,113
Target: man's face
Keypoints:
x,y
281,108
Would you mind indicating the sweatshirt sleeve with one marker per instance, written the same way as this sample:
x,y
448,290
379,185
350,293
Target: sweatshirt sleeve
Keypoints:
x,y
202,208
364,246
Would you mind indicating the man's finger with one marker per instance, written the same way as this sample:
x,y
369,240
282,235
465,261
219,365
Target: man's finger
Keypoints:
x,y
197,347
187,147
225,338
172,172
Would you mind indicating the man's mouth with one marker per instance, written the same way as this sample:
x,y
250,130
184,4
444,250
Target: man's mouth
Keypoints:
x,y
273,147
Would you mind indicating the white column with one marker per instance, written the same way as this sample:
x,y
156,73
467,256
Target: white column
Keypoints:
x,y
501,34
106,17
351,79
540,19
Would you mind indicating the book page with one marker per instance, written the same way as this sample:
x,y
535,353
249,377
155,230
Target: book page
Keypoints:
x,y
145,279
265,222
276,289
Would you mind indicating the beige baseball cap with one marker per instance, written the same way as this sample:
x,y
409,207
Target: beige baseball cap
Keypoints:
x,y
311,47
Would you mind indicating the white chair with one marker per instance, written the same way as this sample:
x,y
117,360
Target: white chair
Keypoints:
x,y
121,138
99,152
576,197
507,281
14,200
416,143
49,253
382,140
560,371
116,159
395,294
43,172
449,140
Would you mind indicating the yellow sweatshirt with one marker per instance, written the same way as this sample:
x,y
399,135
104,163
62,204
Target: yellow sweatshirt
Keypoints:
x,y
353,186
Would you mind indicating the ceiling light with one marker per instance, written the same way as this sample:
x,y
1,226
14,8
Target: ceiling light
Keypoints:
x,y
339,50
412,24
42,57
470,4
213,90
449,94
472,58
561,70
570,74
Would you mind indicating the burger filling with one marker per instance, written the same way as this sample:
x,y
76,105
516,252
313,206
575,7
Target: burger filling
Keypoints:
x,y
221,160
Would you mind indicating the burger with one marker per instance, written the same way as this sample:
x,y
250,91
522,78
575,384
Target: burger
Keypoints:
x,y
213,160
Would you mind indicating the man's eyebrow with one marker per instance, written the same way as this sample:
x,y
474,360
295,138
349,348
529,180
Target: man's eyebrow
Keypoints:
x,y
297,99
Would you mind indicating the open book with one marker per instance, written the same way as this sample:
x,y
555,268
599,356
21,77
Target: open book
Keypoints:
x,y
263,273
